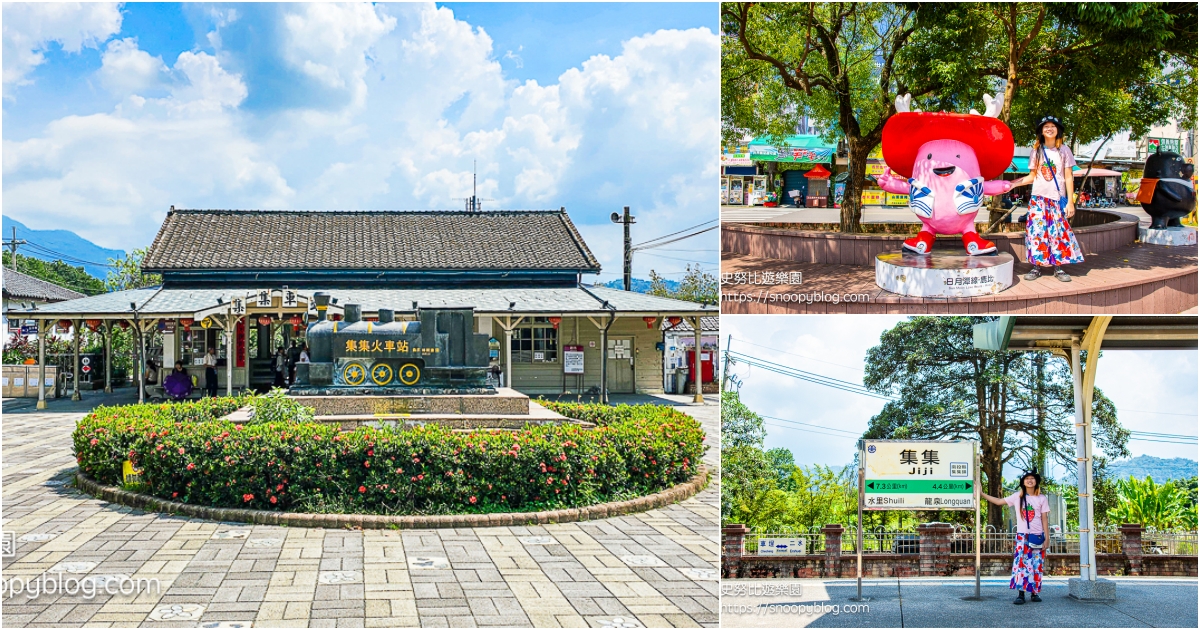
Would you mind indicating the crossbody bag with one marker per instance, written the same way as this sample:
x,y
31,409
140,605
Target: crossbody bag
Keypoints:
x,y
1034,541
1062,199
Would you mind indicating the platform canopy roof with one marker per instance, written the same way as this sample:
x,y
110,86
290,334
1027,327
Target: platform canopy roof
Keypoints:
x,y
1124,332
158,302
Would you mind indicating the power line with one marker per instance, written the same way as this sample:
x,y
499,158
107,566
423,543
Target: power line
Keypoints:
x,y
1166,435
811,425
676,239
67,257
807,376
1161,413
857,369
659,238
781,426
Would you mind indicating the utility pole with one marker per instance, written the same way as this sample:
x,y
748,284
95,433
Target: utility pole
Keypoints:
x,y
725,370
13,243
627,219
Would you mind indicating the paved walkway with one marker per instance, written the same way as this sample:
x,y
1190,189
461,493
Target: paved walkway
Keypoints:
x,y
656,569
938,603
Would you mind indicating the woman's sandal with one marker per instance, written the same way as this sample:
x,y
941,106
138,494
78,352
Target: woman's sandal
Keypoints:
x,y
1033,274
1061,275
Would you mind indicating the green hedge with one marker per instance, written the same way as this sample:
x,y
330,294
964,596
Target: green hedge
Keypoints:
x,y
188,454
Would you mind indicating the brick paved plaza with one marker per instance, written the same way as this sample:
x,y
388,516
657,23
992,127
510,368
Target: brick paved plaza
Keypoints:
x,y
657,569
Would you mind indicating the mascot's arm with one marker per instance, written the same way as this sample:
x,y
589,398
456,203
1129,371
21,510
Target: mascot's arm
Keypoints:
x,y
999,186
891,183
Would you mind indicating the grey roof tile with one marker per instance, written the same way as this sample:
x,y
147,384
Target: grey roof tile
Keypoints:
x,y
425,240
21,286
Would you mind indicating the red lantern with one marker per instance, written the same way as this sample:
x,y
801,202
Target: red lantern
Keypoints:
x,y
187,322
675,320
264,320
123,324
336,317
94,324
295,322
64,323
649,321
556,321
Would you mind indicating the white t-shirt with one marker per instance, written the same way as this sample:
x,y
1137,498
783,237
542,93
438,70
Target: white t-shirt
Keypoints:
x,y
210,360
1035,506
1052,167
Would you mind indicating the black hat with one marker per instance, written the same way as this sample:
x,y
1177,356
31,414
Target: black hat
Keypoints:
x,y
1034,473
1049,119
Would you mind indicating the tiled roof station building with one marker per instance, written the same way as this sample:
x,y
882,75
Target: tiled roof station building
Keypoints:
x,y
522,272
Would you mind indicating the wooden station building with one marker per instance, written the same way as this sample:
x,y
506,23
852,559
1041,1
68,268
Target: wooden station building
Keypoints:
x,y
243,280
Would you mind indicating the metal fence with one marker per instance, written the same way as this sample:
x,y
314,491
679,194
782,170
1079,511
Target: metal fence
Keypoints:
x,y
1168,542
962,540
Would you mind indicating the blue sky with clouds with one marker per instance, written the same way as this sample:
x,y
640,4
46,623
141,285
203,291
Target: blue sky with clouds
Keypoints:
x,y
1153,391
113,113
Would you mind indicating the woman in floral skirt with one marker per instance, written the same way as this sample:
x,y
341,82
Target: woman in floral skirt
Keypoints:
x,y
1049,241
1033,521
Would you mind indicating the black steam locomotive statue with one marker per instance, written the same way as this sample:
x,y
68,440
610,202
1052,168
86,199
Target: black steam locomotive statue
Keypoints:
x,y
438,351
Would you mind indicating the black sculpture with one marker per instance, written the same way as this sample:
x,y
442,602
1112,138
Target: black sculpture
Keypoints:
x,y
439,350
1166,193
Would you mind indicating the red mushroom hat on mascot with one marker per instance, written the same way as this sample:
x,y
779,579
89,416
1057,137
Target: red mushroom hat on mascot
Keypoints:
x,y
906,132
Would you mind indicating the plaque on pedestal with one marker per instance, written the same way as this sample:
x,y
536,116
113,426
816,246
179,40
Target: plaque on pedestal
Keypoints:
x,y
942,274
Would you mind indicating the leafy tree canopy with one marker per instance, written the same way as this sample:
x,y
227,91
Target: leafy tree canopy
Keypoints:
x,y
57,272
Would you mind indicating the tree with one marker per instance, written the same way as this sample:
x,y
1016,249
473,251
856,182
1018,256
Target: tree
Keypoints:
x,y
947,389
1102,67
57,272
830,61
739,425
696,286
126,273
784,464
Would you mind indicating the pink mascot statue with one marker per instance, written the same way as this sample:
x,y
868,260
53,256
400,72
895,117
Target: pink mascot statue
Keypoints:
x,y
946,163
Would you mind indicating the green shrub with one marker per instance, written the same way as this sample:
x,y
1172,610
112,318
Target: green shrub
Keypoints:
x,y
309,466
275,406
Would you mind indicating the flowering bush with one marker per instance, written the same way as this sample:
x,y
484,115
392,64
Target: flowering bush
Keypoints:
x,y
312,467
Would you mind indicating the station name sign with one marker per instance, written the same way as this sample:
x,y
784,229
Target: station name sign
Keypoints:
x,y
918,475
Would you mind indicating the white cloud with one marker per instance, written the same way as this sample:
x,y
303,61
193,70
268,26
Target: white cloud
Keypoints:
x,y
125,69
329,42
29,28
417,96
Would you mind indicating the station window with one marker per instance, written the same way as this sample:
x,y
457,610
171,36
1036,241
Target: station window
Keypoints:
x,y
535,342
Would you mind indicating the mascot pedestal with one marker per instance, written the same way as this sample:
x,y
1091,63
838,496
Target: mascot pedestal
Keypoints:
x,y
1166,195
946,163
943,274
1178,236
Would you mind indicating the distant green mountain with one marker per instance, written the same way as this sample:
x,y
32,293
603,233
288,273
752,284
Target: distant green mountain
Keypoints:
x,y
1156,468
639,286
65,245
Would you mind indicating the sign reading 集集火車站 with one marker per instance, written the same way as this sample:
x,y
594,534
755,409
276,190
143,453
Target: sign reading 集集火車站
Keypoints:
x,y
918,475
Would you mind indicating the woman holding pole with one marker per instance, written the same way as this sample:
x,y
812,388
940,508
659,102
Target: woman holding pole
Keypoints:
x,y
1033,521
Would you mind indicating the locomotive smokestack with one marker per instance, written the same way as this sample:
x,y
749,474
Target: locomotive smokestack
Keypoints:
x,y
353,313
386,316
322,300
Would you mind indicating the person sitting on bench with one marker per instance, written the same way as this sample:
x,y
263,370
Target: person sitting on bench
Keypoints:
x,y
178,383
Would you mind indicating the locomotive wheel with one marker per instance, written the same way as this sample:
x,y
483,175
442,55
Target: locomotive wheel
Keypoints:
x,y
410,374
354,373
381,374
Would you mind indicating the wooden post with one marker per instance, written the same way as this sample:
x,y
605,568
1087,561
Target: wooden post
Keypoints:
x,y
699,397
107,356
42,329
75,395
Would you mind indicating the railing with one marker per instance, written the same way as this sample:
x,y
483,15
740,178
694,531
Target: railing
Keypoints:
x,y
1169,542
882,541
797,542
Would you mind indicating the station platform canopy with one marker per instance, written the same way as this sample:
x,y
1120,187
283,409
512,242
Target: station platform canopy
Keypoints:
x,y
1124,332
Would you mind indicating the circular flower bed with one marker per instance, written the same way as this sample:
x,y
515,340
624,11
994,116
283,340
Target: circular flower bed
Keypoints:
x,y
188,454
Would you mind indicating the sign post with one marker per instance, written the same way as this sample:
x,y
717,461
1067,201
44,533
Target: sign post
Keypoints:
x,y
919,475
